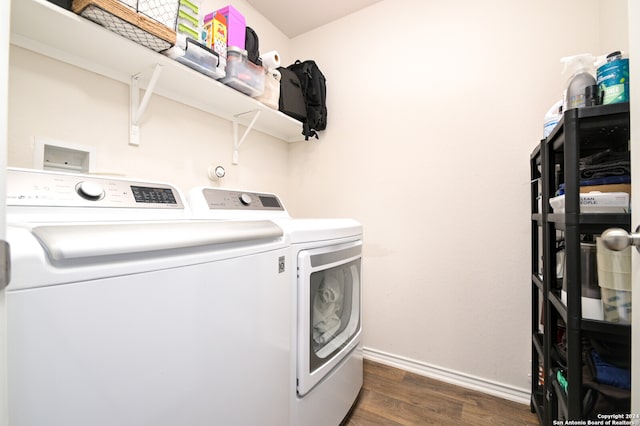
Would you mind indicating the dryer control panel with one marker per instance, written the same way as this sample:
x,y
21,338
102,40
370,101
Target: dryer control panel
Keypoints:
x,y
224,199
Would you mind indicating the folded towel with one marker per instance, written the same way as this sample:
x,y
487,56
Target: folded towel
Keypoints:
x,y
605,156
597,171
604,164
610,374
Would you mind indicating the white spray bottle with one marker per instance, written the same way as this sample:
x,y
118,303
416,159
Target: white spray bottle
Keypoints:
x,y
580,69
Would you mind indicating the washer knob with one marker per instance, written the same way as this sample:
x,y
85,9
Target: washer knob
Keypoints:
x,y
90,190
245,199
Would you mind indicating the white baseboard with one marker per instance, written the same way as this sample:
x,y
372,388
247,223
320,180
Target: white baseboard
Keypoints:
x,y
500,390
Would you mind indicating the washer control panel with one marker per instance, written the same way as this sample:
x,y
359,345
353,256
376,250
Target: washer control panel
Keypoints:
x,y
223,199
38,188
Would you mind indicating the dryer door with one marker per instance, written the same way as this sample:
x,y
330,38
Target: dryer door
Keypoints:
x,y
329,306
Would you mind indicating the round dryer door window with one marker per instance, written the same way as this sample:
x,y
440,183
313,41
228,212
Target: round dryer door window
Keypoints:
x,y
329,309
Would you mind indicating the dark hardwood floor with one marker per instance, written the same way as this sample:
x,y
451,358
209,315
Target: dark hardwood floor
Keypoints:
x,y
396,397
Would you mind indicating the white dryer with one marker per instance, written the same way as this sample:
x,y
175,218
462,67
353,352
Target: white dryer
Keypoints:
x,y
121,312
326,286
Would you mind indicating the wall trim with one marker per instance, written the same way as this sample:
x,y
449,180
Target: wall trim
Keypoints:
x,y
500,390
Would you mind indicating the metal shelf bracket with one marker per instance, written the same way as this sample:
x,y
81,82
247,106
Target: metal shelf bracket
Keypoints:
x,y
236,142
137,107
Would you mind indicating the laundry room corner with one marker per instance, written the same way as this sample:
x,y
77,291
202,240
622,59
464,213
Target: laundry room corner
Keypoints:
x,y
429,134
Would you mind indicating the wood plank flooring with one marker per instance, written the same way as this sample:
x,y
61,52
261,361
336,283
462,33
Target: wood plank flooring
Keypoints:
x,y
391,396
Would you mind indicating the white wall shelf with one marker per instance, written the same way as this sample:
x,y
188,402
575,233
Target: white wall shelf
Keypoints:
x,y
47,29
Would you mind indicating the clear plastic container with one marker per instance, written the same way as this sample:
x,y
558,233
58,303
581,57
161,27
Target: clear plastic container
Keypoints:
x,y
196,56
243,75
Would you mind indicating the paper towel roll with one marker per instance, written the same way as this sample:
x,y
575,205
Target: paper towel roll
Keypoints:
x,y
271,60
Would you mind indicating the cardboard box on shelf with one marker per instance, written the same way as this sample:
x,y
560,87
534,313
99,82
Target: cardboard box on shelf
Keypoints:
x,y
215,27
618,187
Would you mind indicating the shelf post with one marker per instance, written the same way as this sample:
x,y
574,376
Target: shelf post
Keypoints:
x,y
236,142
137,107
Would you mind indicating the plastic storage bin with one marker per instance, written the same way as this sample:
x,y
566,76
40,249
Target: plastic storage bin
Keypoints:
x,y
614,279
596,202
236,25
196,56
243,75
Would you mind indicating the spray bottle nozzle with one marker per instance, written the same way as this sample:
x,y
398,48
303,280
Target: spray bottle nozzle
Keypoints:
x,y
577,62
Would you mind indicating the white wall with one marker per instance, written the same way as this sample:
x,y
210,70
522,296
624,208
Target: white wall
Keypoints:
x,y
434,108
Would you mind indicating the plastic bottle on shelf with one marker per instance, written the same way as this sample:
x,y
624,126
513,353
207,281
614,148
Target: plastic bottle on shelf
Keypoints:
x,y
551,118
613,79
580,68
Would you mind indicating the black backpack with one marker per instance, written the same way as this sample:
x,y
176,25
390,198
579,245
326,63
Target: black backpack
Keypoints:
x,y
314,92
291,100
252,46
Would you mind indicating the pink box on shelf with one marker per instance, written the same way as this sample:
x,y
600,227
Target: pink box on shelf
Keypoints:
x,y
236,25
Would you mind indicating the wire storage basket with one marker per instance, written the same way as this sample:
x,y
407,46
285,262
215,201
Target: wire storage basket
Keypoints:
x,y
163,11
150,23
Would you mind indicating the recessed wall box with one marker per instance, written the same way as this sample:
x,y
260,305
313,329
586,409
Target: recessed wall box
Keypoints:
x,y
51,154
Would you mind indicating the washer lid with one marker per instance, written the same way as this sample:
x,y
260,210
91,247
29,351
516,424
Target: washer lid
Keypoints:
x,y
76,241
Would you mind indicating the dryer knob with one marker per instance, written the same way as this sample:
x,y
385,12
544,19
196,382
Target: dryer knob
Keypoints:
x,y
245,199
90,190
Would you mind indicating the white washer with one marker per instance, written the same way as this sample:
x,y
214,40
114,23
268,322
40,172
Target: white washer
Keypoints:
x,y
326,287
121,312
